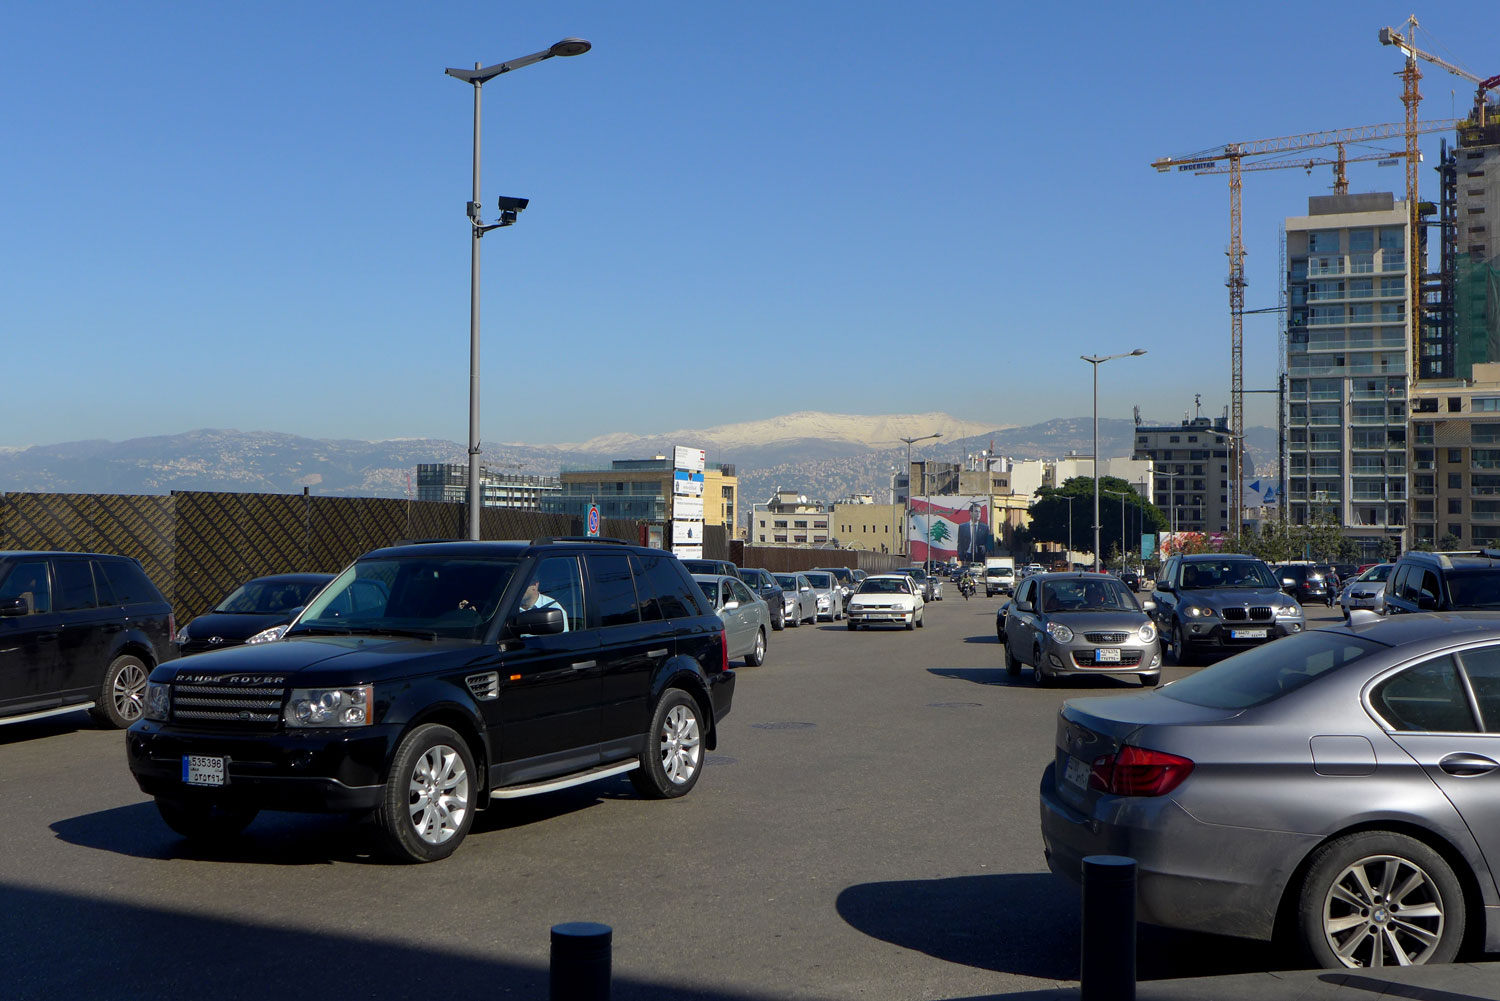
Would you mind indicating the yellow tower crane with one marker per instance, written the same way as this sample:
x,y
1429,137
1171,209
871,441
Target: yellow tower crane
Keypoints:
x,y
1233,154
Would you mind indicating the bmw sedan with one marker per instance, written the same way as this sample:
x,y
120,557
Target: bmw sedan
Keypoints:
x,y
1342,784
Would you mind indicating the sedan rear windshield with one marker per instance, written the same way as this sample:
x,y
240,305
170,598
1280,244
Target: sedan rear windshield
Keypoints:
x,y
819,580
1268,672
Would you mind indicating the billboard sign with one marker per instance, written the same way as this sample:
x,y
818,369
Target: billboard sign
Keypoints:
x,y
688,458
687,508
949,528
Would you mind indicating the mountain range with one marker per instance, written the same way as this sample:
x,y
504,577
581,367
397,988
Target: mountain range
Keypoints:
x,y
826,456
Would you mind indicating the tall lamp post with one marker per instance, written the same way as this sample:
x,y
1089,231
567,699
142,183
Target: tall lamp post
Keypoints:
x,y
906,530
1096,361
508,207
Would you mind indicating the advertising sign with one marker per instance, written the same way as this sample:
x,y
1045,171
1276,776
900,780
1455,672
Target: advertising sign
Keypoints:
x,y
687,508
687,484
1148,546
690,532
688,458
949,528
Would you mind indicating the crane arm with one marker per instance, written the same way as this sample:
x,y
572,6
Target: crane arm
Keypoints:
x,y
1389,36
1308,140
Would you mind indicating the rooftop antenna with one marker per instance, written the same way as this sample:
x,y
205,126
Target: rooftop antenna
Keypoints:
x,y
1197,405
1137,416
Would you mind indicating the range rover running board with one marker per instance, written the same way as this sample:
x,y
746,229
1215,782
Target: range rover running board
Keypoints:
x,y
54,711
566,782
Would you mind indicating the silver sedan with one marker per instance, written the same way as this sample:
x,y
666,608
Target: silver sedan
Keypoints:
x,y
1345,781
746,616
1367,590
801,603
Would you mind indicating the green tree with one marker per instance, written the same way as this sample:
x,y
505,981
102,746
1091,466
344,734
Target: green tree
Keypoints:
x,y
1390,549
1449,543
1049,514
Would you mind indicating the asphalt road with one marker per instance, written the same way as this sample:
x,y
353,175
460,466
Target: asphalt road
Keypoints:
x,y
867,828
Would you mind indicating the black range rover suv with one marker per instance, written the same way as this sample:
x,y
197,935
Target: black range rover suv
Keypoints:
x,y
428,680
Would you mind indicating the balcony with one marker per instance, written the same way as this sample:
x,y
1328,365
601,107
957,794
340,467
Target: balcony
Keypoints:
x,y
1393,260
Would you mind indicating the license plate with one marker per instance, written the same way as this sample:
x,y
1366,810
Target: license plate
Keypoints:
x,y
200,770
1109,655
1247,634
1077,772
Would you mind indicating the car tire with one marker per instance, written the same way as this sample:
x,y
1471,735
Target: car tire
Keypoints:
x,y
853,625
758,654
1012,665
1180,650
432,778
1336,883
204,820
1039,674
778,621
121,694
673,758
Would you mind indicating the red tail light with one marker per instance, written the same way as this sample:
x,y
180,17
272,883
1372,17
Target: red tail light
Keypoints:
x,y
171,626
723,651
1136,771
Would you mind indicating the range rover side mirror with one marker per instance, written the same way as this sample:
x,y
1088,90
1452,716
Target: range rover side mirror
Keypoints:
x,y
12,607
539,621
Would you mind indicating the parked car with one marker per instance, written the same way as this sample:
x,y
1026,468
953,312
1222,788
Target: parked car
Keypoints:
x,y
1345,572
257,611
1032,568
1224,602
430,680
1306,583
747,618
801,601
1367,590
888,599
923,580
1130,578
846,582
1080,623
1433,582
764,584
826,591
711,566
1001,614
1341,781
78,631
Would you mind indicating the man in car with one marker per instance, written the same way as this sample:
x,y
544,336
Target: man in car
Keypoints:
x,y
533,597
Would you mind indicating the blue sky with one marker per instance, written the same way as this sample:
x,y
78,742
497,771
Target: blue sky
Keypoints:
x,y
251,215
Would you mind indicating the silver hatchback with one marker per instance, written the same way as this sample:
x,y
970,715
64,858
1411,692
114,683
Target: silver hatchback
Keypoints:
x,y
1345,781
1080,623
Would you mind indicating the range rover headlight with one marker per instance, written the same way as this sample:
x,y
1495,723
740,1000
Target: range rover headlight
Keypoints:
x,y
157,702
330,706
267,635
1059,632
1146,633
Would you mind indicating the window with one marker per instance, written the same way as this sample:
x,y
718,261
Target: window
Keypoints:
x,y
614,589
1424,406
123,583
1485,403
1455,481
1392,239
560,583
1268,672
1455,455
675,598
75,585
1361,240
1455,506
1427,698
28,581
1455,529
1323,241
1483,669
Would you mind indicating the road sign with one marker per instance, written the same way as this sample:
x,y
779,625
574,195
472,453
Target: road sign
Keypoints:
x,y
593,521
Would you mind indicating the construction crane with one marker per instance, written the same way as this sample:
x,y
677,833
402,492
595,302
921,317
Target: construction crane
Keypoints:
x,y
1389,36
1234,153
1340,177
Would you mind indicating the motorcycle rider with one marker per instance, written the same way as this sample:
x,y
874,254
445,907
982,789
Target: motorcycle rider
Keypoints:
x,y
966,585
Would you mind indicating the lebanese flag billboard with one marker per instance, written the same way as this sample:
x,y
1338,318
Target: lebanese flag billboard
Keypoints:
x,y
959,527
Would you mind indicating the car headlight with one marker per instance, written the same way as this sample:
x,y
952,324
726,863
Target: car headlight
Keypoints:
x,y
330,706
1059,632
158,700
1197,611
267,635
1287,611
182,635
1146,633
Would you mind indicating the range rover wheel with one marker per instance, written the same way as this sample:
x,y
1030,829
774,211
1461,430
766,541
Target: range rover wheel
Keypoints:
x,y
758,655
118,703
429,797
1376,899
204,821
673,758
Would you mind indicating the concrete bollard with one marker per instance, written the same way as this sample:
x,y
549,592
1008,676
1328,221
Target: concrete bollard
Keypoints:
x,y
580,969
1107,964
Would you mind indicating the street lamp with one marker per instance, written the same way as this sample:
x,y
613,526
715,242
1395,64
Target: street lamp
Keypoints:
x,y
508,208
907,528
1096,361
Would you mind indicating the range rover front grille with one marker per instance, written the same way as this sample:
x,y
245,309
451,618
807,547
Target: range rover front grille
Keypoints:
x,y
227,704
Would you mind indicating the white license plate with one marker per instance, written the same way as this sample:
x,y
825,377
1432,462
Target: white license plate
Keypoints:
x,y
1247,634
200,770
1107,655
1077,772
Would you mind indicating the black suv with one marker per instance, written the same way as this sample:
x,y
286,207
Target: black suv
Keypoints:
x,y
428,680
1306,582
1224,602
78,631
1441,582
720,567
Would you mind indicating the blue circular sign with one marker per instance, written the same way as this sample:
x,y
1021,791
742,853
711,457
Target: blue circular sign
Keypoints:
x,y
593,519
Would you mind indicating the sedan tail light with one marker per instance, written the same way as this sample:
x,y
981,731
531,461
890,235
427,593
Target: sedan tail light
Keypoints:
x,y
1137,771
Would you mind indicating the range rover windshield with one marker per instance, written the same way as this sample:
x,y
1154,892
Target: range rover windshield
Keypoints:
x,y
424,597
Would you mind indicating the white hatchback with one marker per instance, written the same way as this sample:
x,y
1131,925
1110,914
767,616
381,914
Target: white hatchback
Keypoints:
x,y
892,599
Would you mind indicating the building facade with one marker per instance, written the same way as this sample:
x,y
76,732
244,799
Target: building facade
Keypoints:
x,y
1189,478
1349,365
1455,451
875,528
641,489
448,482
791,519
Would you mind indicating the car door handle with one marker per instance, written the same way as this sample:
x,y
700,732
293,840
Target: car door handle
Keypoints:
x,y
584,665
1467,764
657,653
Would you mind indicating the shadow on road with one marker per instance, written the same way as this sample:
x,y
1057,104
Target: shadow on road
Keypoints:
x,y
64,946
52,726
1026,924
299,839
